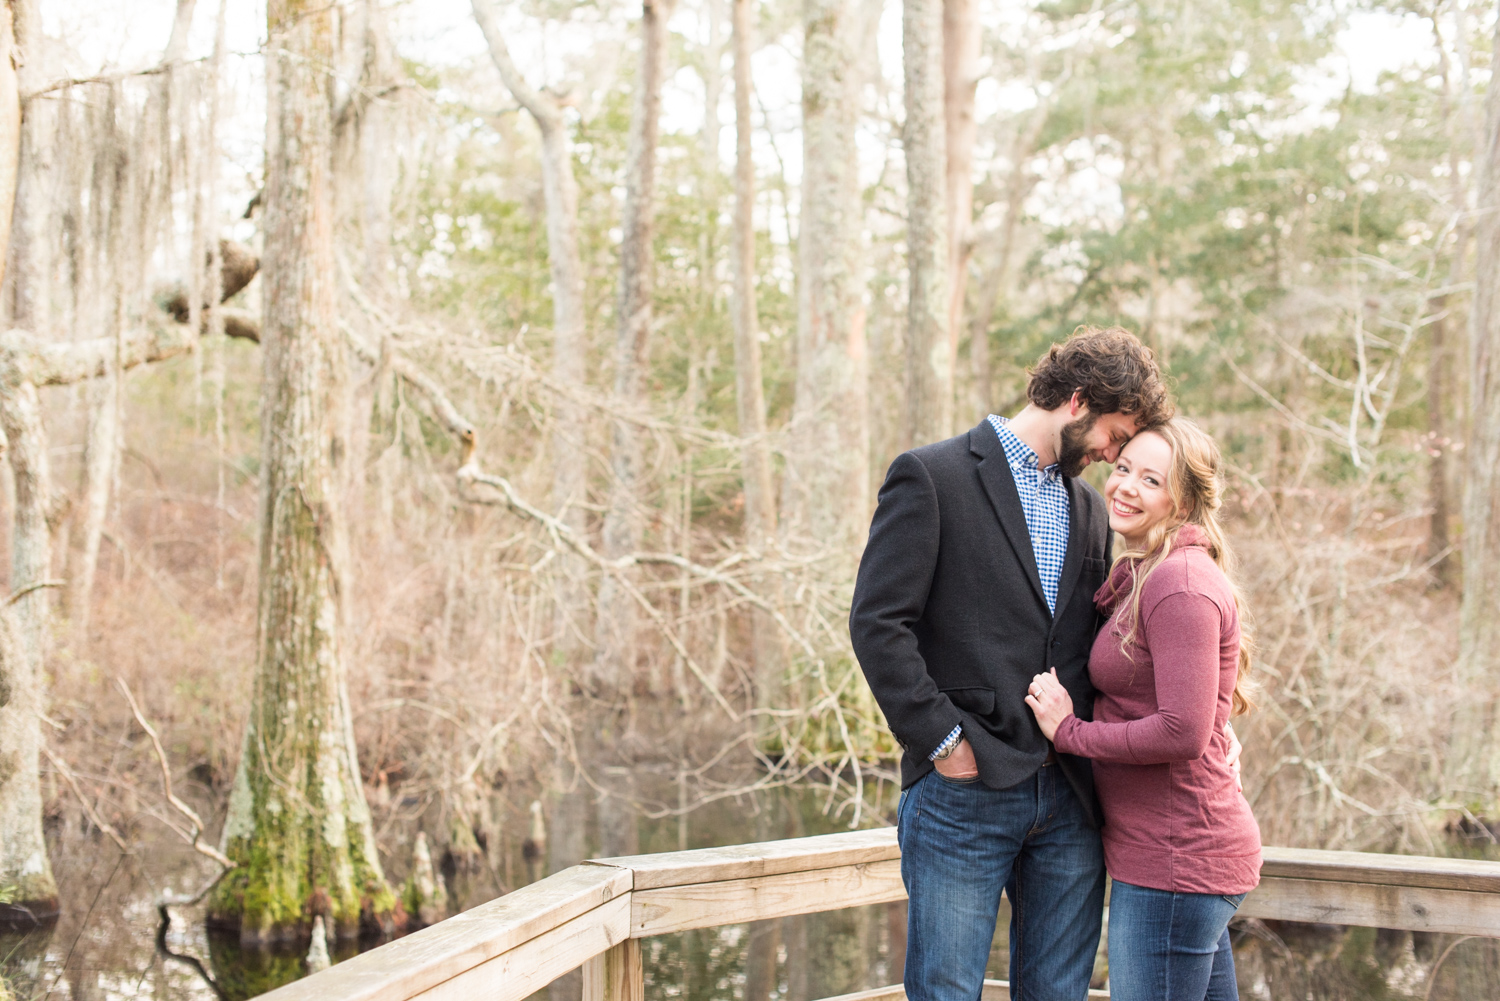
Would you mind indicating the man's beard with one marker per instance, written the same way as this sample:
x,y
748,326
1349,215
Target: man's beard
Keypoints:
x,y
1073,454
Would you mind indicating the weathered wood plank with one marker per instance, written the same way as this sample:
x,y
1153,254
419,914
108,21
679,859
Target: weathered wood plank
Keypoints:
x,y
1394,870
1371,905
994,990
767,858
704,905
421,961
534,964
826,851
616,975
895,992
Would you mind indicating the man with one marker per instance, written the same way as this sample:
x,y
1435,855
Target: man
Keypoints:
x,y
984,555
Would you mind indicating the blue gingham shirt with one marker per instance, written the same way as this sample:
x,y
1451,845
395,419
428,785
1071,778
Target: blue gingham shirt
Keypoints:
x,y
1044,500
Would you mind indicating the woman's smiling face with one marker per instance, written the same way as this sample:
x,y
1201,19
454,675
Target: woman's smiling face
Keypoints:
x,y
1137,491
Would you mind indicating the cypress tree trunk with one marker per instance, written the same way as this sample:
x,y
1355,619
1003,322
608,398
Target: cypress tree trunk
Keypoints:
x,y
10,128
614,658
377,133
25,869
930,353
298,825
826,492
24,866
961,37
25,289
750,396
1456,105
1474,759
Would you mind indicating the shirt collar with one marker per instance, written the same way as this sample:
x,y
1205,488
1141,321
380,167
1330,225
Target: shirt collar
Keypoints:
x,y
1017,452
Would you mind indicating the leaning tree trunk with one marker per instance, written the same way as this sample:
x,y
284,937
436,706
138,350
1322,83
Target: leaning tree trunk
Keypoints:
x,y
930,353
298,825
615,634
1474,758
826,491
961,37
569,347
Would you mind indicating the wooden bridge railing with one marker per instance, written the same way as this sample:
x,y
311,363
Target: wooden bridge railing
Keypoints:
x,y
594,915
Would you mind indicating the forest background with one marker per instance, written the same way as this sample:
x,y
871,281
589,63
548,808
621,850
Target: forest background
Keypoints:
x,y
629,314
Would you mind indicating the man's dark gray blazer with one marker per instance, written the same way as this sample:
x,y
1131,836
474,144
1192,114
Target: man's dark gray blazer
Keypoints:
x,y
949,622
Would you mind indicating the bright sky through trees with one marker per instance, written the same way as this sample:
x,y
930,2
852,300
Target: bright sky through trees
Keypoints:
x,y
109,35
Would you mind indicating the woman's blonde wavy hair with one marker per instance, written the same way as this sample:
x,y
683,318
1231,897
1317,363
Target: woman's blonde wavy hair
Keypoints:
x,y
1196,488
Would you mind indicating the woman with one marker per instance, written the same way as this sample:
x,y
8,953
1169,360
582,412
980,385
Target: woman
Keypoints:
x,y
1180,842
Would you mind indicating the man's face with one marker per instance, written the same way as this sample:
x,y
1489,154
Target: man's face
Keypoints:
x,y
1093,438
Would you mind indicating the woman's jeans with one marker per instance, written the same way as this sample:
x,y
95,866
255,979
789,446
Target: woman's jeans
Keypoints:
x,y
961,844
1166,946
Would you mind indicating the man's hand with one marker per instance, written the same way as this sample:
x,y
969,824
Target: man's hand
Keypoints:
x,y
1050,701
960,764
1234,755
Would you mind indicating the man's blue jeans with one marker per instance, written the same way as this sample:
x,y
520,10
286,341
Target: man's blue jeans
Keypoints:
x,y
1166,946
961,844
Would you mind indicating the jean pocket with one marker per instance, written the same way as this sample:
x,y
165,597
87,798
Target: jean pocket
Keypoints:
x,y
1233,899
955,782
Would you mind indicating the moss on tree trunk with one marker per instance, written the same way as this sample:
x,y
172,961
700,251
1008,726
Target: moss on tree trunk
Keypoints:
x,y
298,825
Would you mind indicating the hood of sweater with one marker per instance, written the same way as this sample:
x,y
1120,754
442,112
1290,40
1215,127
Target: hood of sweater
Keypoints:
x,y
1120,578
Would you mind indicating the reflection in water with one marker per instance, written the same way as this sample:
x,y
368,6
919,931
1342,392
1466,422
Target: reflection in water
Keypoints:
x,y
246,973
104,946
1280,959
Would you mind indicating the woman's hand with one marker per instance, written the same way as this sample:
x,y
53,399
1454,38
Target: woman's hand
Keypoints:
x,y
1050,701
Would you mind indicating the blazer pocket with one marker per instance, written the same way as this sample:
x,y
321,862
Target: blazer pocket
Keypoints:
x,y
975,701
1093,566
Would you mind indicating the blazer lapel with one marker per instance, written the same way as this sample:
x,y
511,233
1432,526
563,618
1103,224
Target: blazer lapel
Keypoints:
x,y
1073,561
1000,486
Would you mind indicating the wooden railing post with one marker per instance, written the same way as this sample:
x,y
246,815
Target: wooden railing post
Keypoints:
x,y
616,975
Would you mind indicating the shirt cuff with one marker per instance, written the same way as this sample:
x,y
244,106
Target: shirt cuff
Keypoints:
x,y
950,741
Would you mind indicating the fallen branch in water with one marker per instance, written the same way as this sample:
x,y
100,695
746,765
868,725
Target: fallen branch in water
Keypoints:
x,y
195,836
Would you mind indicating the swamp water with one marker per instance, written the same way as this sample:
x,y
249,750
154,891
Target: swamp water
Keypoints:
x,y
106,947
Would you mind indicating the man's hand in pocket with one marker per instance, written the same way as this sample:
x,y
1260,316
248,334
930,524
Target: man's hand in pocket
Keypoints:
x,y
960,764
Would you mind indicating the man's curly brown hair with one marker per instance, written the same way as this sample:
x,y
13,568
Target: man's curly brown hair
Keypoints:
x,y
1111,371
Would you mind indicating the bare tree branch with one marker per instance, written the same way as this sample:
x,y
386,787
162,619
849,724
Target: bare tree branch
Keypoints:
x,y
88,809
195,836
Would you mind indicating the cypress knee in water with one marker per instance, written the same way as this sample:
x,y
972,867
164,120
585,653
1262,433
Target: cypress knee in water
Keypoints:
x,y
463,862
317,953
534,848
426,897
